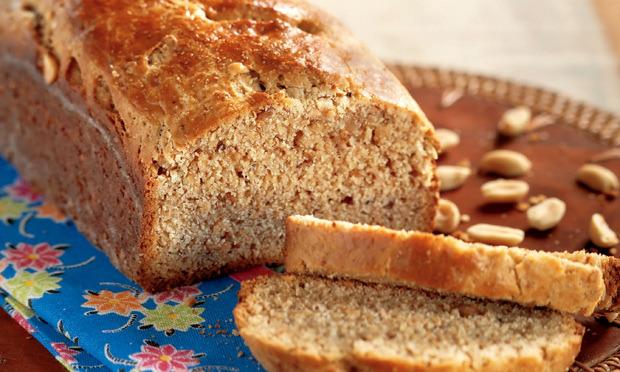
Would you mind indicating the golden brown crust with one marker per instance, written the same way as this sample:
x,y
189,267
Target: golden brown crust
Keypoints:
x,y
611,270
277,357
447,264
555,358
610,266
168,57
147,72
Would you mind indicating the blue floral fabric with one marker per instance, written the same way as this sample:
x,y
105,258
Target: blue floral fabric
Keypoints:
x,y
66,293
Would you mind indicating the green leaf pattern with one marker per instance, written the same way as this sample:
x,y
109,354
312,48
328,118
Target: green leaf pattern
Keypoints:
x,y
178,317
25,285
11,209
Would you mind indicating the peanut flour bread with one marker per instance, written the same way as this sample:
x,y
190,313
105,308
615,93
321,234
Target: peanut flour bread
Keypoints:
x,y
572,282
300,323
180,134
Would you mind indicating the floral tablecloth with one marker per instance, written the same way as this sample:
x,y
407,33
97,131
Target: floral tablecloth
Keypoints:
x,y
66,293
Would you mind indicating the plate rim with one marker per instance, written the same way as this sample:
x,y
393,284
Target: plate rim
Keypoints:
x,y
603,124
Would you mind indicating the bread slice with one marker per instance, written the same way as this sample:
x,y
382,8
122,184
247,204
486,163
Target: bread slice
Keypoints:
x,y
300,323
572,282
179,135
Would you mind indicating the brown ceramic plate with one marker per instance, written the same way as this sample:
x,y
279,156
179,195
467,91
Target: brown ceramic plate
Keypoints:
x,y
572,134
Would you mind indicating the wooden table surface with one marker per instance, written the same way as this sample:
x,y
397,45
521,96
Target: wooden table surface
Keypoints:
x,y
19,351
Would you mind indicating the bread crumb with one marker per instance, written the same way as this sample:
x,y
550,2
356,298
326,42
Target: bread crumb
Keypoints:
x,y
462,235
465,218
522,206
191,302
537,199
240,354
538,136
464,163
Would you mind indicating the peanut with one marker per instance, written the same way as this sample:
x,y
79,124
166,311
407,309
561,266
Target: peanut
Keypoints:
x,y
600,232
610,154
448,217
452,176
447,139
504,191
49,64
449,97
598,178
496,235
547,214
611,316
514,121
237,68
505,163
540,121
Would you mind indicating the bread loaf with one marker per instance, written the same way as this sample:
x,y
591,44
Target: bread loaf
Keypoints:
x,y
576,282
299,323
180,134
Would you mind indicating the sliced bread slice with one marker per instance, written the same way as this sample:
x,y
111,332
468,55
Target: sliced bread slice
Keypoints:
x,y
302,323
572,282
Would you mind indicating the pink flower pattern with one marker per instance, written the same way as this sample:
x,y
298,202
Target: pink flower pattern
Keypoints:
x,y
23,322
178,295
39,257
22,191
164,358
64,352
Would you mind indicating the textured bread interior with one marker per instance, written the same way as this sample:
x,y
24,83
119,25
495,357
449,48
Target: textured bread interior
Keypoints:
x,y
323,317
224,199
